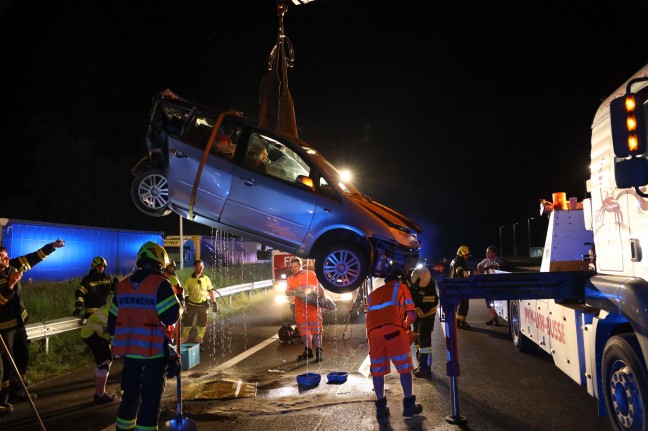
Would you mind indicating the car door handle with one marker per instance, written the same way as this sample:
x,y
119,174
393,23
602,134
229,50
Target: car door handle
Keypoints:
x,y
178,153
248,181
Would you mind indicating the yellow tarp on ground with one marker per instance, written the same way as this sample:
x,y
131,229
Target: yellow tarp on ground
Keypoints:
x,y
225,388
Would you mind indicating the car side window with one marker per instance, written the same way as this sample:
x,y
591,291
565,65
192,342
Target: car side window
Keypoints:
x,y
172,117
201,128
274,158
326,189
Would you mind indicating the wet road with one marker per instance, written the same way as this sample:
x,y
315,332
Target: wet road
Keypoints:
x,y
499,388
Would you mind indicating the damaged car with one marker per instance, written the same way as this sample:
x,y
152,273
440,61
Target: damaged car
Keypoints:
x,y
220,169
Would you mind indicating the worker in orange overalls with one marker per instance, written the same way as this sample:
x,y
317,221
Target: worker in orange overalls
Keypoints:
x,y
307,291
390,312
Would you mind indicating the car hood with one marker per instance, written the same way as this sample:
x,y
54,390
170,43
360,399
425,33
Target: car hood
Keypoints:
x,y
388,215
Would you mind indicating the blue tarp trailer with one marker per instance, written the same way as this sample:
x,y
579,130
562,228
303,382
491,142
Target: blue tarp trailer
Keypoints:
x,y
82,243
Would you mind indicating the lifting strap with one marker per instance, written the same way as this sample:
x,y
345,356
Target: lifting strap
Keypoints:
x,y
210,142
276,107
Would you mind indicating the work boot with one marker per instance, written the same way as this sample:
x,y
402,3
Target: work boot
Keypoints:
x,y
462,324
493,322
382,411
423,373
6,409
410,408
308,353
105,398
318,355
17,393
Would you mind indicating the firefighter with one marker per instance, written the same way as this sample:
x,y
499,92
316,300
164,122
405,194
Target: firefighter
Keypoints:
x,y
459,268
95,334
390,312
141,311
426,301
94,290
198,288
169,272
13,316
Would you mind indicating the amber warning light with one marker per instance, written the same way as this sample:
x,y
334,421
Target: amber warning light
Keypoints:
x,y
631,123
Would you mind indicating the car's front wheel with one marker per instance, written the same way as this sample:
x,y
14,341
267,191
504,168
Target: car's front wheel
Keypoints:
x,y
341,267
150,192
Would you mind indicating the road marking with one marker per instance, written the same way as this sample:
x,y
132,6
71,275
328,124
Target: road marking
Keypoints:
x,y
236,359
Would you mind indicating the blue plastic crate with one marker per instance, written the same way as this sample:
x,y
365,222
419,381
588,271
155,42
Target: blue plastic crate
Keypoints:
x,y
189,355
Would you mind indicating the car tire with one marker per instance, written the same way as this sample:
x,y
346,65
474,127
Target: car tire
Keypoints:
x,y
341,267
150,192
624,382
520,341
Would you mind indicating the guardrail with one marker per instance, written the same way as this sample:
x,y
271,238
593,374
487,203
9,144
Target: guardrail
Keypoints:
x,y
49,328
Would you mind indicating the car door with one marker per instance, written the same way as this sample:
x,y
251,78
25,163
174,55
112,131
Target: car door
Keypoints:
x,y
215,179
265,198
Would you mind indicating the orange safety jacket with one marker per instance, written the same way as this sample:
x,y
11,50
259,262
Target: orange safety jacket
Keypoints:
x,y
388,305
138,330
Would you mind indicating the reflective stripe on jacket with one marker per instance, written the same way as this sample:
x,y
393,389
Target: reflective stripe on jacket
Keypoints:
x,y
138,330
388,305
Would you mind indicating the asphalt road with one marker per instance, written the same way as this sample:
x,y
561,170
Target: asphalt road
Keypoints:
x,y
499,388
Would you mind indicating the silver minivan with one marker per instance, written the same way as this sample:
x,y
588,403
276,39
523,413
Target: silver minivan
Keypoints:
x,y
220,169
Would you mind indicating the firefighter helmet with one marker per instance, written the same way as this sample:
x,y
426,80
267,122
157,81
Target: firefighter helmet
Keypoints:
x,y
98,261
422,276
153,252
463,251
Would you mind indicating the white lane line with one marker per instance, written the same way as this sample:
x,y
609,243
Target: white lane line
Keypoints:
x,y
235,360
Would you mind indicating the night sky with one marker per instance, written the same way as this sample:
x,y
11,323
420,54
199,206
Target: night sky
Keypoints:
x,y
461,115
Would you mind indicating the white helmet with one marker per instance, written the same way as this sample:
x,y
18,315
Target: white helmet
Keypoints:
x,y
422,276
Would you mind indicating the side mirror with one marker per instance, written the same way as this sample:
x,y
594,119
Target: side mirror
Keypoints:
x,y
305,181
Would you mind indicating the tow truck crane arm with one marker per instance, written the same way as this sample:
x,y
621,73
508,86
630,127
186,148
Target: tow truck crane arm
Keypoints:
x,y
276,107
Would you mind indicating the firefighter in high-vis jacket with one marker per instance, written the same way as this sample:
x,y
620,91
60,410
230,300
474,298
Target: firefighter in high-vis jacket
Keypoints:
x,y
140,313
459,268
13,315
94,290
426,301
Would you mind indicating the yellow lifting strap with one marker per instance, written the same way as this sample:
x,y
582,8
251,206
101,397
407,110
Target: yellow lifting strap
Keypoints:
x,y
210,142
276,107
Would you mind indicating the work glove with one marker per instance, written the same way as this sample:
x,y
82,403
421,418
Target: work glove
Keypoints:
x,y
77,313
412,336
214,307
312,298
174,367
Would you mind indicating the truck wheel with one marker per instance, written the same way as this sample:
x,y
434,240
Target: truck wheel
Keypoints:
x,y
624,383
150,192
341,267
521,343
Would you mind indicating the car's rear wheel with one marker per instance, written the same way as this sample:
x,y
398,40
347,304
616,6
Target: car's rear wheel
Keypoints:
x,y
341,267
150,192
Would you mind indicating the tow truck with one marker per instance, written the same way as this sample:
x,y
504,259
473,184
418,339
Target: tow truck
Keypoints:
x,y
588,305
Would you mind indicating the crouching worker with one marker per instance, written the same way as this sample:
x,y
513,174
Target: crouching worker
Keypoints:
x,y
95,334
390,312
143,308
